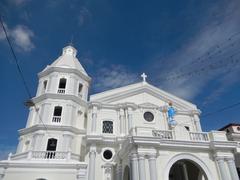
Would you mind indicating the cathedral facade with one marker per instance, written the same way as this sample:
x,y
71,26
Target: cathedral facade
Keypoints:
x,y
136,132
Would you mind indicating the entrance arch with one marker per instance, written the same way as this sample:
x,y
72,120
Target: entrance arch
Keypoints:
x,y
126,173
186,170
191,163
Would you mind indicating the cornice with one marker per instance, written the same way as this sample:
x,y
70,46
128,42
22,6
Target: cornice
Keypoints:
x,y
100,139
62,128
140,88
65,70
157,142
42,164
74,98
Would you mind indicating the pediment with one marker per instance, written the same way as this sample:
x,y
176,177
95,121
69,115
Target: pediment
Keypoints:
x,y
148,105
141,94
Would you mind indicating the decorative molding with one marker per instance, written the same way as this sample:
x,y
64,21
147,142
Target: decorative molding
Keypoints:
x,y
50,127
57,96
50,70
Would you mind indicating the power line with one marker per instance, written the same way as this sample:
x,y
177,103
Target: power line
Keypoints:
x,y
222,49
16,60
29,102
222,109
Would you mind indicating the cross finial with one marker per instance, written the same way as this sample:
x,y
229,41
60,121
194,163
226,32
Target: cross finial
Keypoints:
x,y
144,76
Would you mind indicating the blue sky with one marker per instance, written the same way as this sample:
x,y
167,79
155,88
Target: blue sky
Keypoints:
x,y
189,48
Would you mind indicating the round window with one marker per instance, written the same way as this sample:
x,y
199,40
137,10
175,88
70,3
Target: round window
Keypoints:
x,y
148,116
107,154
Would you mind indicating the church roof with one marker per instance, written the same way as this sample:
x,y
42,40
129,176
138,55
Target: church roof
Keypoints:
x,y
68,60
133,89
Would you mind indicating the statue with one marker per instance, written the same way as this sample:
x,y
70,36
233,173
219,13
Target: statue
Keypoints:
x,y
171,113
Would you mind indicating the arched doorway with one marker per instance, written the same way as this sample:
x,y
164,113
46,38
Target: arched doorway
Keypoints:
x,y
186,170
126,173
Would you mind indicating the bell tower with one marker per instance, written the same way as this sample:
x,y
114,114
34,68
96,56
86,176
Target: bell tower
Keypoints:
x,y
57,119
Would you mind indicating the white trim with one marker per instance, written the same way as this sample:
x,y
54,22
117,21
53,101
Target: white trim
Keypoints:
x,y
110,149
153,113
191,157
114,127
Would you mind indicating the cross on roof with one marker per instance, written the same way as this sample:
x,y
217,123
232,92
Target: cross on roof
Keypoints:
x,y
144,76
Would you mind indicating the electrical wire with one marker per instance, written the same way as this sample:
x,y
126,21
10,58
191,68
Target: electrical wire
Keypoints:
x,y
222,109
29,102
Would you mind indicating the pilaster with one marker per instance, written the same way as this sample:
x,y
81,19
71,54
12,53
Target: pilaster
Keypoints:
x,y
222,168
94,119
141,165
91,167
130,118
134,166
152,166
232,168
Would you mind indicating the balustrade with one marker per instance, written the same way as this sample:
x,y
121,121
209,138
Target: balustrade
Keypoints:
x,y
56,119
61,90
162,134
198,136
49,155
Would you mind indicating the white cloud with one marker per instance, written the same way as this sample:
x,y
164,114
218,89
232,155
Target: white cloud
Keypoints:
x,y
84,16
217,32
113,77
18,2
21,36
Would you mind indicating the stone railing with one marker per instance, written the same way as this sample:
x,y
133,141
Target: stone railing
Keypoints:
x,y
170,134
198,136
163,134
61,90
49,155
56,119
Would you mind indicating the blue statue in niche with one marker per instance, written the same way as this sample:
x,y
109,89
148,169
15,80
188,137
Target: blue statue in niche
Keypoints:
x,y
171,113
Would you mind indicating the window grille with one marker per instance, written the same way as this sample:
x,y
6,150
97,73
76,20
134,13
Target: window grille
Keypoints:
x,y
107,127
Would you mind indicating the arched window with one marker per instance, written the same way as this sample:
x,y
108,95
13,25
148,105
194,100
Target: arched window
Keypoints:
x,y
52,144
107,127
57,114
51,148
80,86
62,85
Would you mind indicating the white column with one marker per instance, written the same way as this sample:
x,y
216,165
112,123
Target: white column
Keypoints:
x,y
121,119
119,171
38,144
222,169
45,114
53,84
30,117
70,86
94,119
130,119
34,137
91,168
67,142
232,169
134,168
197,123
185,173
152,166
141,165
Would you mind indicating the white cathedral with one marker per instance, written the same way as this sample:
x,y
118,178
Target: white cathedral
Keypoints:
x,y
119,134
